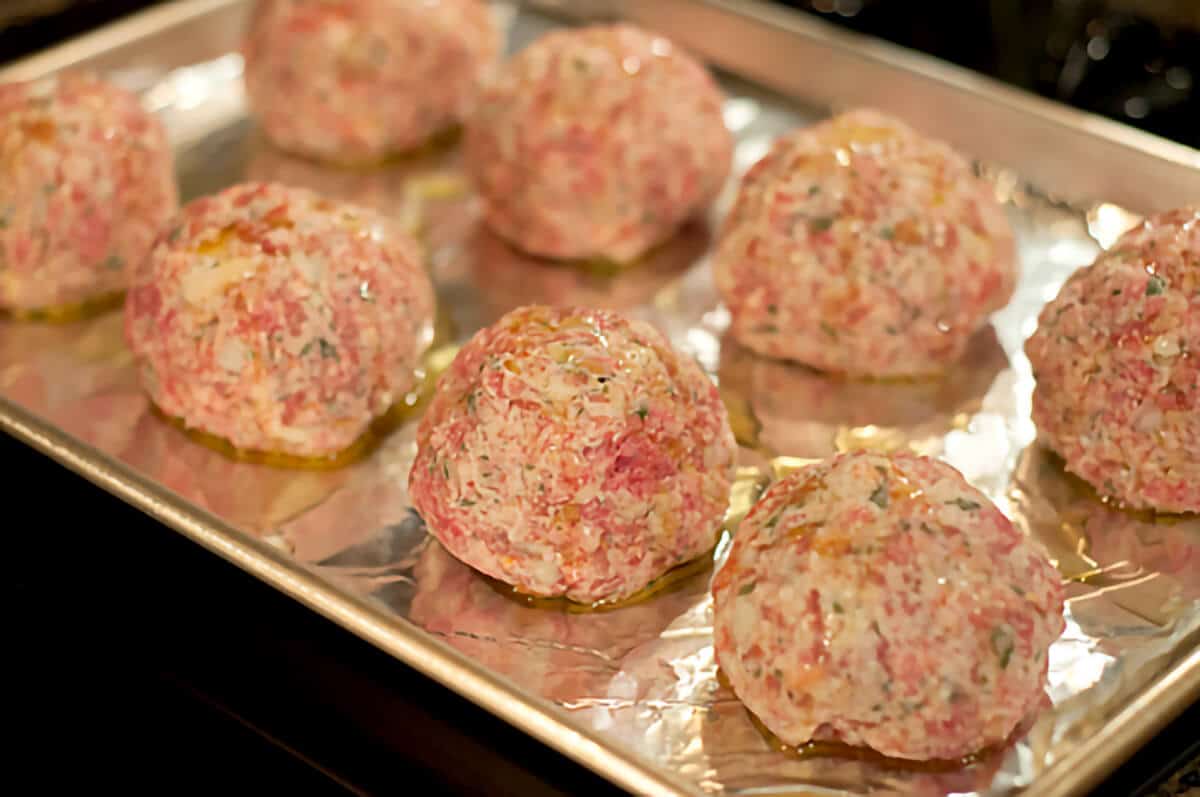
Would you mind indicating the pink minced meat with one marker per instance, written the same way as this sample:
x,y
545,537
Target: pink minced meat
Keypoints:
x,y
278,320
884,602
358,80
597,142
1118,381
859,246
86,183
571,452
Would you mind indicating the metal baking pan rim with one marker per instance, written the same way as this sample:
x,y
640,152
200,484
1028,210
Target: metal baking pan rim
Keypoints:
x,y
111,36
396,636
1083,768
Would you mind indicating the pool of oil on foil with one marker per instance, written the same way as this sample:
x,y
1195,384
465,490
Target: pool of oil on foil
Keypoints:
x,y
644,675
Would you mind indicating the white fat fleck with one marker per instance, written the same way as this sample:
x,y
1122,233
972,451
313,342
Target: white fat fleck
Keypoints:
x,y
291,434
202,283
43,89
312,268
232,355
586,493
1166,346
542,572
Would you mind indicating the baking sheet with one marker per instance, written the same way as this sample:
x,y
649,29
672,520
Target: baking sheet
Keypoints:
x,y
639,681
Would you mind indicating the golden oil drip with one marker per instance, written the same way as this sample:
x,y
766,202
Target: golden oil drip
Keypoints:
x,y
360,449
597,266
840,750
747,428
1073,534
440,142
68,313
437,359
880,439
748,486
667,582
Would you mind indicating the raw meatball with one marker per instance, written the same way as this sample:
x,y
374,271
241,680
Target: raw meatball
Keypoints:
x,y
859,246
571,452
86,183
1118,384
278,320
597,142
358,80
886,603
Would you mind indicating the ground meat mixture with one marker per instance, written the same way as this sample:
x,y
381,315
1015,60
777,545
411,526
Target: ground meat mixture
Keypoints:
x,y
357,80
279,321
86,183
1118,381
885,602
859,246
572,452
597,142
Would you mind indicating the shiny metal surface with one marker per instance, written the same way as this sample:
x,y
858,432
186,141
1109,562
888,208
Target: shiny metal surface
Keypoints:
x,y
633,693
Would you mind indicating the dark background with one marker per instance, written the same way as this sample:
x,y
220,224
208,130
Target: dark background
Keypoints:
x,y
1136,61
143,663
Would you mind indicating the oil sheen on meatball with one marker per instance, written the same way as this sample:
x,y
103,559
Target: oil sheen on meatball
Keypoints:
x,y
859,246
597,142
1118,383
279,321
884,602
572,452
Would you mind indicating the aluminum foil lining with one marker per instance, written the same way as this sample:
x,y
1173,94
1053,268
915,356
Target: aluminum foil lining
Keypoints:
x,y
644,676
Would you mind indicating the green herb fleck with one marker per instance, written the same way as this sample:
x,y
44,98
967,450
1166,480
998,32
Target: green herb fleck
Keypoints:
x,y
328,350
887,233
5,215
813,190
837,608
774,520
772,309
880,496
466,502
747,588
642,412
1155,285
1002,645
1017,590
445,471
964,504
307,348
828,330
1116,292
114,262
471,402
820,223
174,234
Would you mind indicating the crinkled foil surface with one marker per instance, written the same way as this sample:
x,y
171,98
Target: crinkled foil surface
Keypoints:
x,y
644,676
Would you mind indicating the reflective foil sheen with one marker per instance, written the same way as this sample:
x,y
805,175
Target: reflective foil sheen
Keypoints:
x,y
644,676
